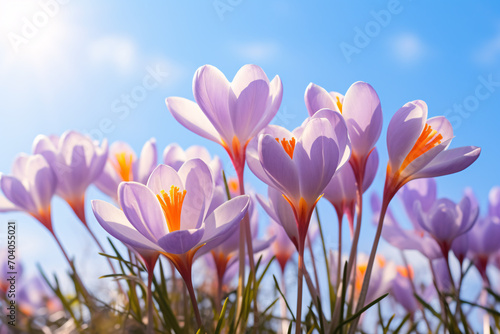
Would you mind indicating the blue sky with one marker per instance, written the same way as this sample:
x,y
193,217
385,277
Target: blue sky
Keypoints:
x,y
74,70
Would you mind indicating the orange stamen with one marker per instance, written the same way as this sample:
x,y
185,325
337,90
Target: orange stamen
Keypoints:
x,y
428,139
233,185
123,165
171,203
288,146
339,104
405,272
380,260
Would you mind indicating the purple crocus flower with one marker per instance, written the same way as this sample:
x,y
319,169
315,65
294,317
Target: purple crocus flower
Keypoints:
x,y
169,214
174,156
77,162
30,188
402,290
124,165
362,112
483,242
445,220
229,113
300,164
494,202
418,148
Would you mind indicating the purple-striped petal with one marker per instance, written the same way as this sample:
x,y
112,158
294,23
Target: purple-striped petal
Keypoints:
x,y
317,98
146,163
450,161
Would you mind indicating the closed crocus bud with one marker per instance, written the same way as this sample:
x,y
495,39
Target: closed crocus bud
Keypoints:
x,y
483,242
494,202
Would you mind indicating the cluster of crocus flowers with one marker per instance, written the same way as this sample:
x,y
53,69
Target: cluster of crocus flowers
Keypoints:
x,y
183,209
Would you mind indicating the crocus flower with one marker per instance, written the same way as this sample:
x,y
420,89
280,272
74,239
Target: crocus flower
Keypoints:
x,y
30,188
76,161
494,202
300,164
124,165
229,113
169,216
174,156
418,147
362,112
446,220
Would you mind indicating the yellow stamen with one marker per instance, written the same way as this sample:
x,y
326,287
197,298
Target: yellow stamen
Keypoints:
x,y
171,203
428,139
339,104
123,165
288,146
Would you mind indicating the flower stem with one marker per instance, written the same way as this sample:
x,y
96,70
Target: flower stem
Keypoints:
x,y
189,285
371,260
339,255
150,327
309,244
299,290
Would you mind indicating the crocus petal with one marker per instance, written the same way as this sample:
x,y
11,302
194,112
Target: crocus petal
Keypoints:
x,y
339,134
278,166
142,209
189,114
146,163
450,161
245,76
363,115
8,206
197,179
164,177
174,156
316,156
223,219
16,193
317,98
403,131
273,104
494,202
251,106
114,221
252,153
179,242
212,91
370,169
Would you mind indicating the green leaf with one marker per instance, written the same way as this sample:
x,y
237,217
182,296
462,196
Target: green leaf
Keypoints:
x,y
220,323
283,296
357,314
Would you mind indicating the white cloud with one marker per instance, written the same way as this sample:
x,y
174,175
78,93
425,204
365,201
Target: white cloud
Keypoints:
x,y
117,51
408,49
257,51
